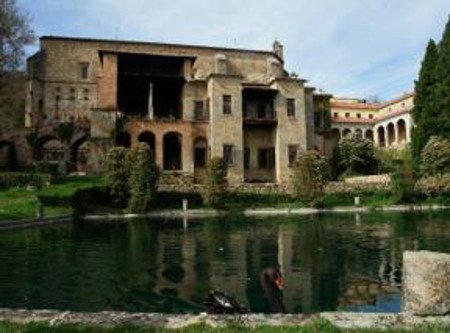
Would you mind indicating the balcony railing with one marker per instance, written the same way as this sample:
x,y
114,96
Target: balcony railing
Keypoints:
x,y
266,117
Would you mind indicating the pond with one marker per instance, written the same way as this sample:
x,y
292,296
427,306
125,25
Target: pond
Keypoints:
x,y
329,262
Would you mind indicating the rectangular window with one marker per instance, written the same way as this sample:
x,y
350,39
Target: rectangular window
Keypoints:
x,y
228,154
336,115
226,104
291,107
370,116
246,158
358,115
292,154
347,115
199,110
266,158
84,70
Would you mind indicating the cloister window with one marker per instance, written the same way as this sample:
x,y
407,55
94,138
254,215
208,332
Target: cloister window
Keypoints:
x,y
84,70
292,154
266,158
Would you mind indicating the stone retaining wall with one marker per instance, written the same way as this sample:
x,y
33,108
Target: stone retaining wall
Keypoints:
x,y
345,320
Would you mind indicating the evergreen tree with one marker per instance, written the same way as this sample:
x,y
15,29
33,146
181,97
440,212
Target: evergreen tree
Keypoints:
x,y
423,102
442,90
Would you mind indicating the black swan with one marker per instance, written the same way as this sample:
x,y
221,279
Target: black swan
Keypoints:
x,y
271,281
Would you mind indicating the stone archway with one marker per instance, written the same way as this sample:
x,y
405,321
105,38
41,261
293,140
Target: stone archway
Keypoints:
x,y
172,158
391,134
6,152
381,136
401,130
359,132
369,135
346,132
78,155
148,138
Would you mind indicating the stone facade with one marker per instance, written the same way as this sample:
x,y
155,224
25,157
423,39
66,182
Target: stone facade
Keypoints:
x,y
189,103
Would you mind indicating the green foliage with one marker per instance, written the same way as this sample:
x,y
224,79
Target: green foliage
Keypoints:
x,y
432,100
88,199
390,159
356,156
433,186
143,179
15,35
310,177
214,182
402,183
117,173
435,156
12,158
16,179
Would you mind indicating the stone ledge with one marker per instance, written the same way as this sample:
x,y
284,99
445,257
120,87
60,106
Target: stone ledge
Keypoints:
x,y
345,320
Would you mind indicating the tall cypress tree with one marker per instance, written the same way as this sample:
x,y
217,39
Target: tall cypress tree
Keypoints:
x,y
442,90
424,112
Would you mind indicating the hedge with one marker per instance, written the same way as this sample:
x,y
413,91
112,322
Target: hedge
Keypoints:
x,y
17,179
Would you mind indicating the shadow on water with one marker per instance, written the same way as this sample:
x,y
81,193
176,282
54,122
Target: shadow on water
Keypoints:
x,y
329,262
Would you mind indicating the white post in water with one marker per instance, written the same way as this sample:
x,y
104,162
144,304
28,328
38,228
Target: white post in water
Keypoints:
x,y
150,101
185,205
357,201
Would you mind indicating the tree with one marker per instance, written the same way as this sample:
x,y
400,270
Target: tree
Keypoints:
x,y
116,174
442,89
213,189
357,156
143,179
310,177
15,34
423,102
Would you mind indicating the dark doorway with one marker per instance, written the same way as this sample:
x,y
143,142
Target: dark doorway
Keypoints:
x,y
172,151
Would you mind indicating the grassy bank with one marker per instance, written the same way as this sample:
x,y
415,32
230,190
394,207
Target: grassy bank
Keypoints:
x,y
319,326
20,202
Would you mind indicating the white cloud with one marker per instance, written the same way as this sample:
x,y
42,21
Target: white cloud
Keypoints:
x,y
357,47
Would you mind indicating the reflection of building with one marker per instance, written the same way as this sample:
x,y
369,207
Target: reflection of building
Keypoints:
x,y
188,103
386,124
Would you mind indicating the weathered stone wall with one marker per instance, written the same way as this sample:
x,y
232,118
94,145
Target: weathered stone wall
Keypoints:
x,y
426,283
290,130
226,129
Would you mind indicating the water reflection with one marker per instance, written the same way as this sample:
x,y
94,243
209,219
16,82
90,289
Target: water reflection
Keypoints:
x,y
329,262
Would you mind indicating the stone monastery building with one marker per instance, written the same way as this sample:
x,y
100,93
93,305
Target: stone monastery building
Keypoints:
x,y
188,103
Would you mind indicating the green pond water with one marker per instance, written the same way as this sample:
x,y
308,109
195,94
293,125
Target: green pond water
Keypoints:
x,y
329,262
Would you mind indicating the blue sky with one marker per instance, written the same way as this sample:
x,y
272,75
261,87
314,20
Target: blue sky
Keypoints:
x,y
356,48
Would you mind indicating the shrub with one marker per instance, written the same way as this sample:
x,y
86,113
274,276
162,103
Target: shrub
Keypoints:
x,y
15,179
51,168
435,156
357,156
143,179
214,182
117,173
88,199
402,182
433,186
310,177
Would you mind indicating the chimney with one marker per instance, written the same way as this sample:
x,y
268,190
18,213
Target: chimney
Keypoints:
x,y
278,49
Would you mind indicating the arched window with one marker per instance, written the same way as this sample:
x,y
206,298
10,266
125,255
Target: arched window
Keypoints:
x,y
172,151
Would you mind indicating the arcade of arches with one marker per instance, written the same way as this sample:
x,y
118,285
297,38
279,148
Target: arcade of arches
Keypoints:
x,y
386,134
